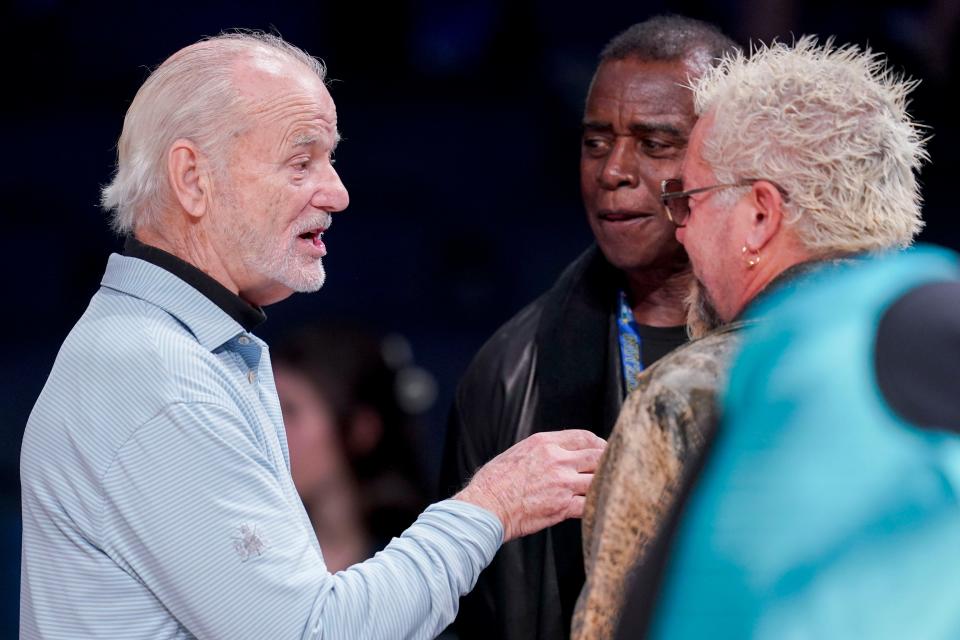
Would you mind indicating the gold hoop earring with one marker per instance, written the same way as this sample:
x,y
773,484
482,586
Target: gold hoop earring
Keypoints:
x,y
753,259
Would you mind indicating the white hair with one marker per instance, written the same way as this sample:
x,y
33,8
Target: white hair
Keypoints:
x,y
192,96
829,126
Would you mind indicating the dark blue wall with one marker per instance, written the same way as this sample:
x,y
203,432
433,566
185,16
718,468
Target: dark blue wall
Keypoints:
x,y
460,124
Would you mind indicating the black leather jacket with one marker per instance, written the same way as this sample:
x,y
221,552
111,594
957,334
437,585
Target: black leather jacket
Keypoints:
x,y
554,365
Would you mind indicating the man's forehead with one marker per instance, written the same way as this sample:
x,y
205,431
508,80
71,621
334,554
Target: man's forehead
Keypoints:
x,y
261,77
641,86
265,60
290,95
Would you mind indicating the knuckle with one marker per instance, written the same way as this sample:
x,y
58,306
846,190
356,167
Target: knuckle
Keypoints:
x,y
552,453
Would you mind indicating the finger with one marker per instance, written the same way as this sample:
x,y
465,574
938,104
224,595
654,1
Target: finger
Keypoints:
x,y
573,439
575,510
580,483
580,460
586,460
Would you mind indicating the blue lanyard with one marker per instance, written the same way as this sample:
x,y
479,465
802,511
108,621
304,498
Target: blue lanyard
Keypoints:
x,y
629,344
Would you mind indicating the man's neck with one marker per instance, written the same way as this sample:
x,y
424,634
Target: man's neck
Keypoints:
x,y
658,296
190,247
782,255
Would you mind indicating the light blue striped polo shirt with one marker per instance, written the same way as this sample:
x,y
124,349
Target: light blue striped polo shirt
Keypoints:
x,y
158,502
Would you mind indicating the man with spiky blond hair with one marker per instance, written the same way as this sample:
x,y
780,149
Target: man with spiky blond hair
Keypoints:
x,y
804,157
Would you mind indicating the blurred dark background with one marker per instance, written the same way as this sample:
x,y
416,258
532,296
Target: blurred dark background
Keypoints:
x,y
461,142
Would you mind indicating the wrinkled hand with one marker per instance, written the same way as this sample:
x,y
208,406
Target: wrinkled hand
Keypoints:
x,y
537,482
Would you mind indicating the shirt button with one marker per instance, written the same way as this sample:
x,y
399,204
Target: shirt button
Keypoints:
x,y
243,340
251,376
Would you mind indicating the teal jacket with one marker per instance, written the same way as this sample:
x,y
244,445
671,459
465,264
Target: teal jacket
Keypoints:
x,y
822,512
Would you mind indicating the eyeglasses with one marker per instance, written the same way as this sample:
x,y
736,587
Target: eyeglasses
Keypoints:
x,y
676,201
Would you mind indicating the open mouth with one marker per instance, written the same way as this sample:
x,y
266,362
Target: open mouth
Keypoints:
x,y
313,235
315,238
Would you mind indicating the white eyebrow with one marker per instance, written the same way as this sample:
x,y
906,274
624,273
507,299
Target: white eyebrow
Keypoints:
x,y
307,139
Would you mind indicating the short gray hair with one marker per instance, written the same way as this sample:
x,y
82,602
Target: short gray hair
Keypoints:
x,y
669,38
191,95
830,126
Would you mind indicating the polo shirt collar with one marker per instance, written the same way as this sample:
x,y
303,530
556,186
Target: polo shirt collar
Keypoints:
x,y
249,316
205,319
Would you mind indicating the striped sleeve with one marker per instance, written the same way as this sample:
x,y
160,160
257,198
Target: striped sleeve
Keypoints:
x,y
194,510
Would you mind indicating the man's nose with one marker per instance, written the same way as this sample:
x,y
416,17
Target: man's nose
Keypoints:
x,y
332,194
620,168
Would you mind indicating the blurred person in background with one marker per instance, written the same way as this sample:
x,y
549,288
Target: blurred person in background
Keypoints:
x,y
804,159
572,355
352,432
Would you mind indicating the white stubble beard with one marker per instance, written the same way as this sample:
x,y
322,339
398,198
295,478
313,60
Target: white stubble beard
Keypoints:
x,y
283,264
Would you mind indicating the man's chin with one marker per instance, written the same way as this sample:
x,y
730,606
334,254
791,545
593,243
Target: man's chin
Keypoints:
x,y
310,284
312,287
307,279
633,258
702,316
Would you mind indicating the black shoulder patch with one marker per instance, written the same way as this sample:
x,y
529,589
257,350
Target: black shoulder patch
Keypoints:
x,y
917,356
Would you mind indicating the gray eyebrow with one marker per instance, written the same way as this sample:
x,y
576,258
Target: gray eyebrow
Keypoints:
x,y
304,139
307,139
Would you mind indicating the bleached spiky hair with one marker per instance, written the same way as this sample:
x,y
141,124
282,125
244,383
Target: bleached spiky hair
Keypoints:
x,y
191,95
830,126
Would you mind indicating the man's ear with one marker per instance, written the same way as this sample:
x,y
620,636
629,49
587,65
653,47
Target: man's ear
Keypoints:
x,y
767,216
188,181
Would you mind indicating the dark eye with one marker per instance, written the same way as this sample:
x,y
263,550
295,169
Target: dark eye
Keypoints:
x,y
653,146
659,148
595,145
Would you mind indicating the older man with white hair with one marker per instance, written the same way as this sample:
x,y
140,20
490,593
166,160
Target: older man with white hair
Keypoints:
x,y
803,156
157,497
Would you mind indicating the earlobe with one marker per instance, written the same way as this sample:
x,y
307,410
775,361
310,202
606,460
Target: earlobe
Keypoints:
x,y
186,178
